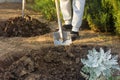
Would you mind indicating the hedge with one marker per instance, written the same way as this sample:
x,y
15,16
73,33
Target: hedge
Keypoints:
x,y
103,15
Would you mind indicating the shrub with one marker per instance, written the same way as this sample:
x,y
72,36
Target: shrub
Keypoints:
x,y
103,15
116,14
100,64
99,15
46,7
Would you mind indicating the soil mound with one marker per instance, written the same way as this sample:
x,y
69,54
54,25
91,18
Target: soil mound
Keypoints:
x,y
23,27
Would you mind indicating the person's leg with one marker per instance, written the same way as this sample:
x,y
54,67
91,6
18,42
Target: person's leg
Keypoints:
x,y
78,9
66,10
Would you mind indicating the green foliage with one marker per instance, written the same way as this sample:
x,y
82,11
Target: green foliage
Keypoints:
x,y
114,78
46,7
103,15
117,23
116,14
99,16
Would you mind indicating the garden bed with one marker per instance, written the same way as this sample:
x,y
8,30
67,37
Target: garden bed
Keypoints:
x,y
21,55
50,63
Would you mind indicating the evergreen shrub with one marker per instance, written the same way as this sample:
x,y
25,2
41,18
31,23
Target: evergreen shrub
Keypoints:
x,y
46,7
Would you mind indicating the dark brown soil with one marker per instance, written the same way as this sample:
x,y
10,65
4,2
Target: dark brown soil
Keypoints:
x,y
23,27
50,63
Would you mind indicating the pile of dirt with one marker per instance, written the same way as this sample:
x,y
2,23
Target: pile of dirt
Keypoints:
x,y
50,63
23,27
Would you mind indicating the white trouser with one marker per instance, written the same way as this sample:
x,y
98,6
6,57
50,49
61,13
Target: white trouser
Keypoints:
x,y
72,11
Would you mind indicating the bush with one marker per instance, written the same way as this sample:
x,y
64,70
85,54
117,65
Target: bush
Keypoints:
x,y
103,15
46,7
99,16
116,14
100,64
117,22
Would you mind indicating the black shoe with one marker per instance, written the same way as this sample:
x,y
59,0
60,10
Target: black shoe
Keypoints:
x,y
74,35
67,26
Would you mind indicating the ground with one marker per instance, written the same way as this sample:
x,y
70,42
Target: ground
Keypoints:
x,y
36,58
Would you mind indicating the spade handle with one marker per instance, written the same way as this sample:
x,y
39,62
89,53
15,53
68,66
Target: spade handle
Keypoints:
x,y
59,20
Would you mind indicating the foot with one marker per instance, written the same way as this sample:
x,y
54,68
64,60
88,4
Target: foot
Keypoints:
x,y
74,35
67,27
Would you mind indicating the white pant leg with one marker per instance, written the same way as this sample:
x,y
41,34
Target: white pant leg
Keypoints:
x,y
78,9
66,10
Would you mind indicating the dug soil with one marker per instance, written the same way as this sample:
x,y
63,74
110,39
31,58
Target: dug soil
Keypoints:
x,y
23,27
49,63
27,50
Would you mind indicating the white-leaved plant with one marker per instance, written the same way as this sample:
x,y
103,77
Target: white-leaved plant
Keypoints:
x,y
100,64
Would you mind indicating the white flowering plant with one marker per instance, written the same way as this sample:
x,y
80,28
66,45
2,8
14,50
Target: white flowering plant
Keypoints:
x,y
100,64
